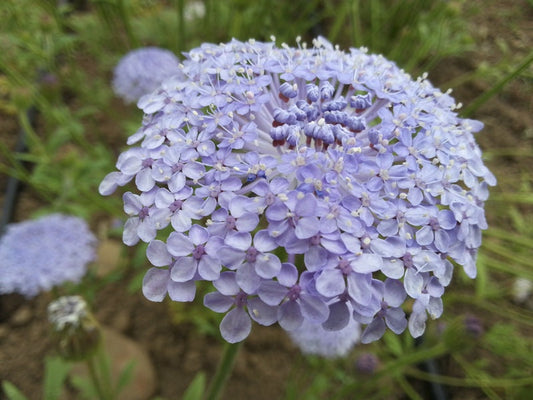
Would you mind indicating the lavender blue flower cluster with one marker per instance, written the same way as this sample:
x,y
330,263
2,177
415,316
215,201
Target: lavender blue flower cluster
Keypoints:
x,y
37,255
308,184
141,71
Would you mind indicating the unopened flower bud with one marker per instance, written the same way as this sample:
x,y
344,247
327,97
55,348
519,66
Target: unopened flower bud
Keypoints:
x,y
473,326
367,363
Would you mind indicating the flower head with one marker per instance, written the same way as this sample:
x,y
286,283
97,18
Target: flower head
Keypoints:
x,y
67,312
141,71
330,187
39,254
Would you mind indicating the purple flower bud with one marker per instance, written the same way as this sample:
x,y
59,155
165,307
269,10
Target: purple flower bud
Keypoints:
x,y
473,326
367,363
355,124
335,105
326,90
284,117
288,90
361,102
313,93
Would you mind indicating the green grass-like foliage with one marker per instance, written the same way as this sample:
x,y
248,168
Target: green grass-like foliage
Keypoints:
x,y
81,126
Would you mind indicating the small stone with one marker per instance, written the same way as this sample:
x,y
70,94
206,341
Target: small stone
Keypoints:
x,y
109,252
122,351
22,316
3,331
121,321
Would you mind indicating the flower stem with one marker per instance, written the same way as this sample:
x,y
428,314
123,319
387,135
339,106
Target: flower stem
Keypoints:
x,y
94,377
223,372
100,373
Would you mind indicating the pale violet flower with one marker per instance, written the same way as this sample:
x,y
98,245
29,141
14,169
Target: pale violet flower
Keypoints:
x,y
324,188
37,255
141,71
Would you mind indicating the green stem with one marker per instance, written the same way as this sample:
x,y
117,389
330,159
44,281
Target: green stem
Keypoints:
x,y
100,373
407,388
357,32
223,372
473,373
489,381
91,365
104,366
133,42
180,39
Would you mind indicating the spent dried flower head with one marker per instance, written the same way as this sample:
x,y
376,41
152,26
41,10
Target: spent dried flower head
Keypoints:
x,y
75,329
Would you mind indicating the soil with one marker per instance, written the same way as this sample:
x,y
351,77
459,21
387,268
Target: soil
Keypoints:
x,y
502,30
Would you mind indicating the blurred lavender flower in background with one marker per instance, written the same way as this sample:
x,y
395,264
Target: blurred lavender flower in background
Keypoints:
x,y
367,363
39,254
141,71
329,186
312,338
473,326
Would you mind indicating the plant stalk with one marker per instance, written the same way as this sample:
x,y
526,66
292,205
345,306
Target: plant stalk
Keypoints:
x,y
93,373
223,372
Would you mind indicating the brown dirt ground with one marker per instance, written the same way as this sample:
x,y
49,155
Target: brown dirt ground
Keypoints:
x,y
268,358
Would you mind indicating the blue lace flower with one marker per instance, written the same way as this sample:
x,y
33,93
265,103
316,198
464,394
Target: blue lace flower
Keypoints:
x,y
332,188
141,71
37,255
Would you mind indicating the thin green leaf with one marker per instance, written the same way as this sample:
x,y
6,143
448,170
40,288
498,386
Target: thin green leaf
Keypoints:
x,y
124,378
517,198
498,87
394,344
12,392
85,387
481,278
510,255
505,266
512,238
196,389
407,388
55,373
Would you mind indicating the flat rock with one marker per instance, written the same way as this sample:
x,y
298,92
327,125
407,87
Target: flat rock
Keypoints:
x,y
122,351
22,316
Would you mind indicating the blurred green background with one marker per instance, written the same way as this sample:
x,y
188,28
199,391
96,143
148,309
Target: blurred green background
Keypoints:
x,y
58,57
